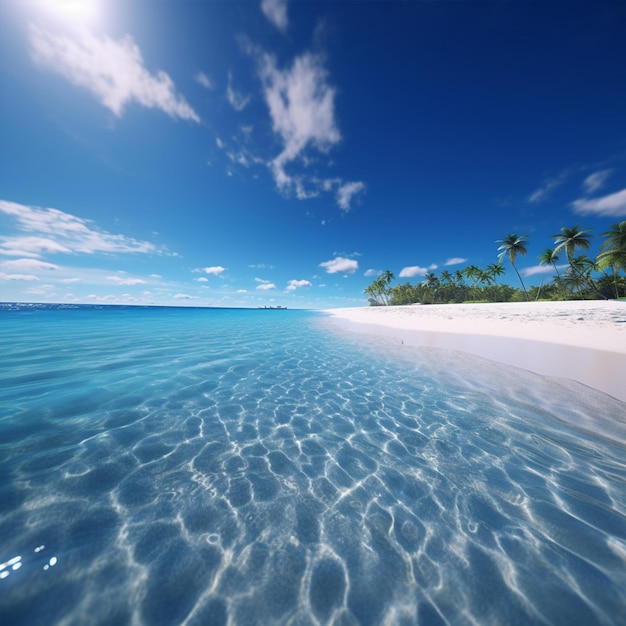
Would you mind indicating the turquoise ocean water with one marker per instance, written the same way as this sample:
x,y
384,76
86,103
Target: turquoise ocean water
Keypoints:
x,y
189,466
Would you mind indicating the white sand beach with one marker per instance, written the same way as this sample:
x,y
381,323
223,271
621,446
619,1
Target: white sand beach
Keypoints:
x,y
583,341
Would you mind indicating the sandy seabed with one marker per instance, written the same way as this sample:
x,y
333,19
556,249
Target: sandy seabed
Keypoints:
x,y
579,340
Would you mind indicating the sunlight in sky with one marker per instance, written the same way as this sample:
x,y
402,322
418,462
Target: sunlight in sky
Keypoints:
x,y
70,12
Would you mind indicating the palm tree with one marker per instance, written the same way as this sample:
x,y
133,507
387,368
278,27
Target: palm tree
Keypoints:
x,y
431,281
613,254
458,277
512,245
380,290
579,273
385,280
569,239
446,277
471,272
373,295
387,276
549,257
495,270
613,250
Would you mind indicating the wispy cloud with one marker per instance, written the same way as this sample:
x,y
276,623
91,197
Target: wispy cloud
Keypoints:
x,y
540,269
372,272
28,265
204,80
276,12
340,265
297,284
265,285
543,192
456,260
112,70
237,100
55,231
25,277
613,205
596,181
121,280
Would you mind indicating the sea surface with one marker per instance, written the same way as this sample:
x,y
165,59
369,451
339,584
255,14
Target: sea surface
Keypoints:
x,y
210,466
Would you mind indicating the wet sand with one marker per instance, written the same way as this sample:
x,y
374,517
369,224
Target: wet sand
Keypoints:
x,y
579,340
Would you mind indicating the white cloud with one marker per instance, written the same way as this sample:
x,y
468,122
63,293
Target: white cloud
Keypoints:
x,y
346,192
112,70
302,108
296,284
29,246
62,232
28,265
413,270
4,276
276,12
202,279
613,205
596,181
340,264
237,100
41,290
126,281
372,272
184,296
220,144
540,269
547,187
456,260
214,270
266,285
204,80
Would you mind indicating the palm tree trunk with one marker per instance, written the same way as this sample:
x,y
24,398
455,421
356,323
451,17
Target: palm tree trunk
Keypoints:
x,y
587,279
521,281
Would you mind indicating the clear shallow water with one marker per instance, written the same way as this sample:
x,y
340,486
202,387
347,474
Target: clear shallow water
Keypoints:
x,y
256,467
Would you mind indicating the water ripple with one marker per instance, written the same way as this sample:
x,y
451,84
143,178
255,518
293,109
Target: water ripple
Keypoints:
x,y
198,467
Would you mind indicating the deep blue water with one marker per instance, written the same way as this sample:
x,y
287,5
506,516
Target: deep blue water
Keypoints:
x,y
173,466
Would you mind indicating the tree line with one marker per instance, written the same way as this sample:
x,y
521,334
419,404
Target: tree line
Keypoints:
x,y
582,278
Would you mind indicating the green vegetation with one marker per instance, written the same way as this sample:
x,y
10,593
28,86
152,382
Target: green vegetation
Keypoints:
x,y
512,245
380,291
583,279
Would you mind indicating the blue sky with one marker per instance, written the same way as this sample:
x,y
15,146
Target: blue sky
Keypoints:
x,y
263,153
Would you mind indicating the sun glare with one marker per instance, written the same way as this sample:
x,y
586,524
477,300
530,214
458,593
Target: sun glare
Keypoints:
x,y
76,12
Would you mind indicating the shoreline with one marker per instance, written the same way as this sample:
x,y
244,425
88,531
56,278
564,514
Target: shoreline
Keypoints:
x,y
583,340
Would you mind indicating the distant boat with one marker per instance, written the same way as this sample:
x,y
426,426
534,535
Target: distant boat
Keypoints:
x,y
281,308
